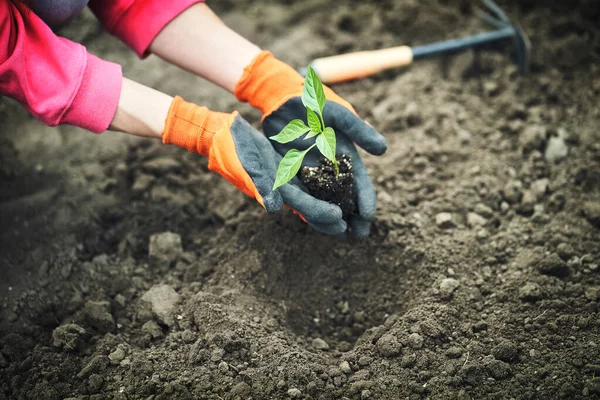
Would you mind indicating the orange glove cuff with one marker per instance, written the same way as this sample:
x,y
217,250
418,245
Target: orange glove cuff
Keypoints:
x,y
193,127
267,83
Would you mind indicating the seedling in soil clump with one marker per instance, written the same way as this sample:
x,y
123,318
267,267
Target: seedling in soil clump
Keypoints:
x,y
322,182
333,179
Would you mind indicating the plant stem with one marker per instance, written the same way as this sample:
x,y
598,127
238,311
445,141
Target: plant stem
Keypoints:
x,y
322,122
337,168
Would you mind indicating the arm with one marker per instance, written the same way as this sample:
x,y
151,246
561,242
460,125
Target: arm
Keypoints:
x,y
205,46
56,80
142,111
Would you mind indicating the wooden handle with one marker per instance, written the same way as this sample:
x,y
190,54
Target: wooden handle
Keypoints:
x,y
360,64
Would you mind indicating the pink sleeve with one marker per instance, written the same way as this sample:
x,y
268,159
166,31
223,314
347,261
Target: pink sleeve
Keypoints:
x,y
137,22
56,80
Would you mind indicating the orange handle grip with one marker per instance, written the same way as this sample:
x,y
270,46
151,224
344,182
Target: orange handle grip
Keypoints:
x,y
360,64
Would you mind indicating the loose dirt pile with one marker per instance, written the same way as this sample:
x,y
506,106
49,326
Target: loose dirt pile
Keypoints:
x,y
131,272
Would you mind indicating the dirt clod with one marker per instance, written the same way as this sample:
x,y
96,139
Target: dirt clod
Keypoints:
x,y
530,292
320,344
321,182
506,351
68,337
97,315
164,249
162,299
444,220
553,265
448,286
388,345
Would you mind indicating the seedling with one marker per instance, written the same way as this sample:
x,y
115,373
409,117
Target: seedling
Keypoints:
x,y
313,98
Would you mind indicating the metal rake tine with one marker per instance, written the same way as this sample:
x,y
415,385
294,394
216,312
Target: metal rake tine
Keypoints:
x,y
490,19
496,10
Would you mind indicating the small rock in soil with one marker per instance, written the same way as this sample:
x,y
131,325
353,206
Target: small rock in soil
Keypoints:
x,y
68,337
408,361
506,351
444,220
162,299
97,315
345,367
530,292
592,293
164,249
464,136
553,265
294,393
484,211
415,340
591,210
513,191
475,220
142,183
556,150
448,286
320,344
388,345
565,251
539,188
365,361
161,165
116,356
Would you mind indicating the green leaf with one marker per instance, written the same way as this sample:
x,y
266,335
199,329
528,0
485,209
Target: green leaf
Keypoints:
x,y
311,134
313,96
326,143
292,131
313,121
289,166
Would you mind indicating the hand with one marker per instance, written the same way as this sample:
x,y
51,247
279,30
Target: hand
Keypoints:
x,y
276,89
247,159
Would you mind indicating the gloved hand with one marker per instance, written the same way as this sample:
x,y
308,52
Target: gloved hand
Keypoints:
x,y
275,89
246,158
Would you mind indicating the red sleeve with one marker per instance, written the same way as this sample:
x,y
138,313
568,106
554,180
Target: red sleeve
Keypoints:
x,y
137,22
55,79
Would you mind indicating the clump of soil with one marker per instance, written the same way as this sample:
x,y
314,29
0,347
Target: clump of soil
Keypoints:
x,y
322,183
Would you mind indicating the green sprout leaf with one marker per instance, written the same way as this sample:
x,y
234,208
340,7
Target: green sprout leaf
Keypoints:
x,y
311,134
292,131
289,166
313,96
313,121
326,143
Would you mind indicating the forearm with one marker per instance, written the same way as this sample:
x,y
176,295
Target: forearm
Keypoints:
x,y
142,111
198,41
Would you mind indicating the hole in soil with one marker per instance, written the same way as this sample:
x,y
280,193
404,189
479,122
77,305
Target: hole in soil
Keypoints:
x,y
335,297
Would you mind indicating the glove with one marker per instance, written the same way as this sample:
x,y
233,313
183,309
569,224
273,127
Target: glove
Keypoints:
x,y
244,157
275,89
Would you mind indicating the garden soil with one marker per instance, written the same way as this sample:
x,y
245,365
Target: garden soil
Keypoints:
x,y
129,271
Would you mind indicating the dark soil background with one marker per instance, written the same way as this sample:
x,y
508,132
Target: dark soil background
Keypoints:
x,y
128,271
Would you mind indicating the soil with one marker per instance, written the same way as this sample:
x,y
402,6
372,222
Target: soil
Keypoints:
x,y
321,182
129,271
